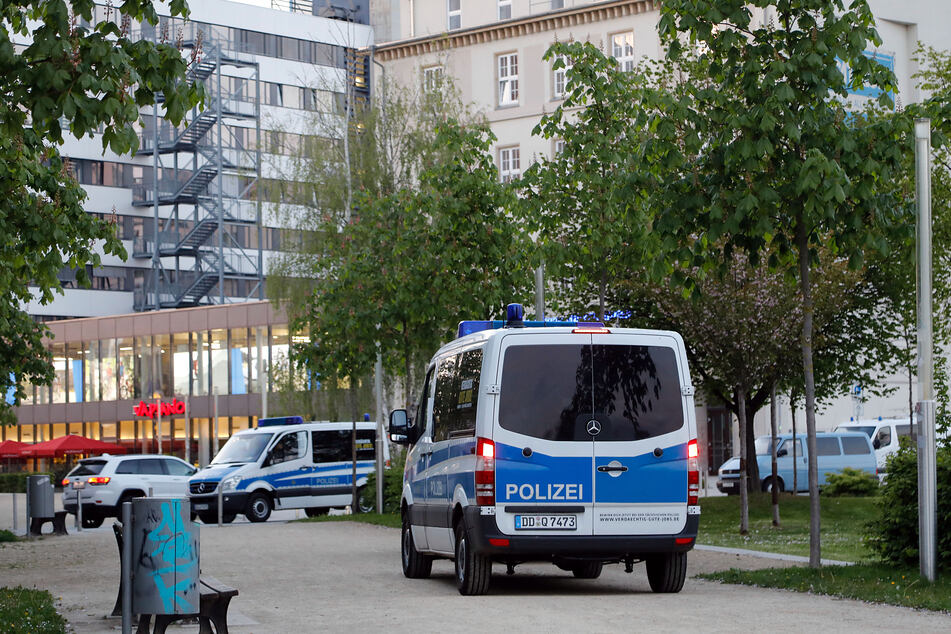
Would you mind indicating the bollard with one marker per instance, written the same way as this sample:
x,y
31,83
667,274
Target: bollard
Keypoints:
x,y
14,494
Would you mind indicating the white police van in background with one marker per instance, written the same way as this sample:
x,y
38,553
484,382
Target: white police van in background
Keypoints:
x,y
884,434
570,443
285,463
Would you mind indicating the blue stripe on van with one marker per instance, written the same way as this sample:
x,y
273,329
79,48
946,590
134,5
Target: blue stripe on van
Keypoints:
x,y
540,477
648,479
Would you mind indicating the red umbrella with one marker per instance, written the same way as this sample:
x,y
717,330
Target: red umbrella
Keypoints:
x,y
69,445
11,448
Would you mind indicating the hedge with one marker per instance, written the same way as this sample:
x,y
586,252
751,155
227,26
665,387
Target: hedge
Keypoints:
x,y
16,482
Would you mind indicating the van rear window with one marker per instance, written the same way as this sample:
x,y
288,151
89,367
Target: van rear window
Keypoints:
x,y
552,391
827,446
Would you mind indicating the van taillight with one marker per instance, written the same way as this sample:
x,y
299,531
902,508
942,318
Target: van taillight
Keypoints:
x,y
693,473
485,472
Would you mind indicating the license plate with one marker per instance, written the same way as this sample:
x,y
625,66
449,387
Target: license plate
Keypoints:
x,y
200,507
546,522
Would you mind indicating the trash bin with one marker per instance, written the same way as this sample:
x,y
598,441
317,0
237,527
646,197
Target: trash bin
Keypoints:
x,y
39,490
164,557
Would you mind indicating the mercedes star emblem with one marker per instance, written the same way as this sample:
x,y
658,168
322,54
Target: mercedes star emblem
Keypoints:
x,y
594,427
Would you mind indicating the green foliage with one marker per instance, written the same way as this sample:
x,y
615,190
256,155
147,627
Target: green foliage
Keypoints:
x,y
392,485
29,611
850,482
91,79
16,482
893,534
7,536
872,583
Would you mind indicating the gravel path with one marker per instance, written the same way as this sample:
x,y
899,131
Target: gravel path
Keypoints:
x,y
343,576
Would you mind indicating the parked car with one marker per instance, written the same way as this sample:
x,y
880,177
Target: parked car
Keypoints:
x,y
884,434
834,452
108,481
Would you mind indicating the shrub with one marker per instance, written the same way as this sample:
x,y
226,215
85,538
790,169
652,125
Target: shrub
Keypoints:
x,y
893,535
7,536
16,482
852,482
392,484
29,611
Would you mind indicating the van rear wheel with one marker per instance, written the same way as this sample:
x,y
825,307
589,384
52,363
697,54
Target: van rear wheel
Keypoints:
x,y
666,572
415,564
768,484
473,571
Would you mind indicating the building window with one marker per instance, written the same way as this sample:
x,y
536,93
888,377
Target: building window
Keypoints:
x,y
557,4
559,77
505,9
622,49
508,79
455,14
510,166
559,147
432,78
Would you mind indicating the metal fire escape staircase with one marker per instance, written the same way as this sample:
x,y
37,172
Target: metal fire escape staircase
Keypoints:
x,y
203,186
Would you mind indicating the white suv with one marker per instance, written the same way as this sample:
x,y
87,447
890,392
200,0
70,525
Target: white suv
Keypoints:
x,y
108,481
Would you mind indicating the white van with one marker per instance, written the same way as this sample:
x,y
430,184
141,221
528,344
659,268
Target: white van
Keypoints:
x,y
570,443
884,434
285,463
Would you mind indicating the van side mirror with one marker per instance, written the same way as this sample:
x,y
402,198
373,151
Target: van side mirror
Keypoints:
x,y
400,431
781,453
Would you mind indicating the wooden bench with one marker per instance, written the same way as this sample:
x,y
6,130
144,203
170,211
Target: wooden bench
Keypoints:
x,y
58,520
214,599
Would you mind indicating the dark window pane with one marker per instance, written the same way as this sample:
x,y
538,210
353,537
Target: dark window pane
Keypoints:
x,y
636,392
88,467
128,466
331,446
827,446
467,394
546,391
853,446
176,468
366,444
152,466
444,405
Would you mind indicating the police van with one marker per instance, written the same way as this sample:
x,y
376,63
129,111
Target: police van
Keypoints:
x,y
285,463
565,442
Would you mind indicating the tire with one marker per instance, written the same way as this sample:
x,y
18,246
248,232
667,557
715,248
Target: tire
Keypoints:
x,y
92,521
473,572
227,518
667,572
587,570
415,564
365,501
316,511
768,484
208,517
259,507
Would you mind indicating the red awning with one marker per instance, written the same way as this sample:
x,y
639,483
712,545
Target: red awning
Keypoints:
x,y
69,445
12,448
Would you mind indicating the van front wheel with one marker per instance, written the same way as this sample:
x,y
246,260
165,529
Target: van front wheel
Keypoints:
x,y
473,571
666,572
259,507
415,564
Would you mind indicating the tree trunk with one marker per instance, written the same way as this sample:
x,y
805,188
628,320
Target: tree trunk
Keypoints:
x,y
744,493
774,429
802,243
355,498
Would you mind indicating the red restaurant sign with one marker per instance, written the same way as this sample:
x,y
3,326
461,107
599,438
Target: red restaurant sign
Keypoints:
x,y
150,409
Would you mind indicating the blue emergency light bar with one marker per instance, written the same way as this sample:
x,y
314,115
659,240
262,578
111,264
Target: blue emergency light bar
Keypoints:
x,y
514,313
280,420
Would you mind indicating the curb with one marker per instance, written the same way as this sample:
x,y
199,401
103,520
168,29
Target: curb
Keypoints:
x,y
766,555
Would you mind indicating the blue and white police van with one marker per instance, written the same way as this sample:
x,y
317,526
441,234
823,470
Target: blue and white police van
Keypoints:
x,y
571,443
285,463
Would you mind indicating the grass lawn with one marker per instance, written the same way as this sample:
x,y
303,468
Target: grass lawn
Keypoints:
x,y
878,583
391,520
843,525
27,611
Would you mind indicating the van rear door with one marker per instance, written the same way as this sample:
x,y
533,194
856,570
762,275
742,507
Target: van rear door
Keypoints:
x,y
543,455
640,431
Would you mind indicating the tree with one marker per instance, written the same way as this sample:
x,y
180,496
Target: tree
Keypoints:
x,y
774,164
586,202
87,77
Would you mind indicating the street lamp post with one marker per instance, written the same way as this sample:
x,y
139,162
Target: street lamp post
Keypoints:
x,y
157,432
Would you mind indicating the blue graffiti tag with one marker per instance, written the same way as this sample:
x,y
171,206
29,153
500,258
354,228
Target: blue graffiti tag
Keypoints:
x,y
174,548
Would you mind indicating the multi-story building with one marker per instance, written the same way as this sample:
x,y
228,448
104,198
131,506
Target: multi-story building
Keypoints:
x,y
493,50
191,204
